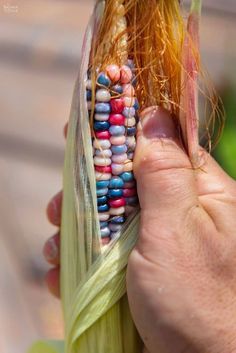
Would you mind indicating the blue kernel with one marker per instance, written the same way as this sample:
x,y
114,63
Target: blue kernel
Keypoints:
x,y
112,193
101,125
117,130
136,104
101,200
129,112
103,208
116,183
105,232
117,220
101,184
131,131
103,224
117,89
103,80
130,64
120,149
127,176
88,95
131,201
102,192
102,108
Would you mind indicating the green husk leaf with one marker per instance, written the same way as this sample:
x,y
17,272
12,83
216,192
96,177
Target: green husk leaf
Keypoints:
x,y
189,118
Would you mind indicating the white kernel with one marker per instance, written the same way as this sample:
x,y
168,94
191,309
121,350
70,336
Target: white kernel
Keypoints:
x,y
89,84
101,144
103,216
130,122
103,95
119,158
131,142
101,117
102,176
116,211
129,101
101,162
103,153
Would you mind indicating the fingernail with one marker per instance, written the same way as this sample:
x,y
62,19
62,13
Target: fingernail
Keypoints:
x,y
156,122
51,249
65,131
54,210
53,281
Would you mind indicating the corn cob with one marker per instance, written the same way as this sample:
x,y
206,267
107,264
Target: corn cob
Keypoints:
x,y
114,124
114,118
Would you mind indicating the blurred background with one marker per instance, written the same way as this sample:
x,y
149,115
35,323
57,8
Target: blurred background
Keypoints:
x,y
40,43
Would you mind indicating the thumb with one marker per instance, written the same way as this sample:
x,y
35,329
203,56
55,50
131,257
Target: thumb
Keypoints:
x,y
165,178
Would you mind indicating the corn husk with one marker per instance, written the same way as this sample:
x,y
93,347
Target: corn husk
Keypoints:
x,y
93,289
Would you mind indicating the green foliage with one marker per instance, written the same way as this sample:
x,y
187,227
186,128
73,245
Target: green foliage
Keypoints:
x,y
225,152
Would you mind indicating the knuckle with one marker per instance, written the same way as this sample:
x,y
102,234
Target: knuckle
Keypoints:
x,y
161,155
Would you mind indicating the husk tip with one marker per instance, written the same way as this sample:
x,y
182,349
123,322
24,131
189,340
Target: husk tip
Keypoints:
x,y
196,6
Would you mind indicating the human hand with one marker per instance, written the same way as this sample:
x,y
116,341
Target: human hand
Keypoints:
x,y
181,278
181,275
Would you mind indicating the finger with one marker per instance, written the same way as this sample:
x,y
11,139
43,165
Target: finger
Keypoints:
x,y
52,280
51,250
65,131
211,178
217,193
54,209
165,178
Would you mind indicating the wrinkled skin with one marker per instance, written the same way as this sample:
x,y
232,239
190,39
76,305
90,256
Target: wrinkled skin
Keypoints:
x,y
181,277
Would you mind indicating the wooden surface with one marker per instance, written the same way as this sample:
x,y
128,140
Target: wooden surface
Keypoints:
x,y
39,58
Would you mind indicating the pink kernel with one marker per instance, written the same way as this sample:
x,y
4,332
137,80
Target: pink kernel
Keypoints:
x,y
103,135
118,140
129,192
117,203
129,185
117,119
119,158
113,71
117,105
117,168
126,74
128,90
103,169
105,240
